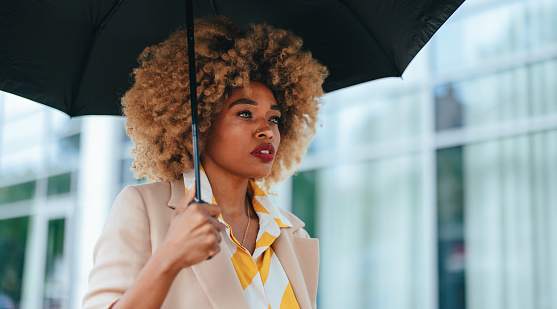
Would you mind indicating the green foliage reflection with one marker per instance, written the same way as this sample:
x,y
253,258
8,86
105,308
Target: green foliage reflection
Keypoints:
x,y
13,236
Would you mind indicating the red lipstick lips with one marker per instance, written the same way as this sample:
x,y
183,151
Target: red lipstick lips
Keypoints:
x,y
264,152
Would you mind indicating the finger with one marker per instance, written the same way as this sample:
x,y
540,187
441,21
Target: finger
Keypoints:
x,y
211,225
216,233
212,253
188,198
214,250
212,210
216,224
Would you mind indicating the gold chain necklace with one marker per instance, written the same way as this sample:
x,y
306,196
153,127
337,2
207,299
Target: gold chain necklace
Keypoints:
x,y
249,219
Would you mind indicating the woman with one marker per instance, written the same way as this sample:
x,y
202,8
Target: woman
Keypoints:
x,y
258,100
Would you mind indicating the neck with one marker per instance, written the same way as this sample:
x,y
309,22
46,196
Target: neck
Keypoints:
x,y
229,191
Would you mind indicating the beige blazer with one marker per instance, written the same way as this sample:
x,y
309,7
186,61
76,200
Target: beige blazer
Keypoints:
x,y
136,226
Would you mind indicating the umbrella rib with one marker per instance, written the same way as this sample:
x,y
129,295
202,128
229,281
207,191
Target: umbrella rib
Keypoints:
x,y
106,19
214,7
93,41
393,67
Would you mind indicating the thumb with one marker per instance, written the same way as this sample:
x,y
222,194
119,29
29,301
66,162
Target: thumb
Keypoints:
x,y
188,198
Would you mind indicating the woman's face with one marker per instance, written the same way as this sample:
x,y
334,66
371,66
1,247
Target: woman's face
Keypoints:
x,y
245,135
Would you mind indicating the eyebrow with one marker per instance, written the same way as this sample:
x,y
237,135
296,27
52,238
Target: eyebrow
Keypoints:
x,y
250,102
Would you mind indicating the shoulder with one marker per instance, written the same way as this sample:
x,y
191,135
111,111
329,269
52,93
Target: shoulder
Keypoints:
x,y
146,192
135,225
139,202
153,188
297,224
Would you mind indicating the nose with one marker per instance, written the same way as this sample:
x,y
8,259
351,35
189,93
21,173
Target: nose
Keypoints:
x,y
264,132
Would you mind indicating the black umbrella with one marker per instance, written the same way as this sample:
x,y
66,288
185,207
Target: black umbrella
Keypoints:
x,y
77,56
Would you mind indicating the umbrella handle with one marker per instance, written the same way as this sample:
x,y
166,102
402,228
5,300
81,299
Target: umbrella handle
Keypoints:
x,y
193,99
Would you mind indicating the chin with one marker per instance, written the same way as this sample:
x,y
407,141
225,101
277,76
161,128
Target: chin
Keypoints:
x,y
260,173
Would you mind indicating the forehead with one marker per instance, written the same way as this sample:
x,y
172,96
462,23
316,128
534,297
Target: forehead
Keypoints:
x,y
256,94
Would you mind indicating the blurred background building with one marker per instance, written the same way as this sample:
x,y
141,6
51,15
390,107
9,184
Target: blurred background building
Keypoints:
x,y
438,191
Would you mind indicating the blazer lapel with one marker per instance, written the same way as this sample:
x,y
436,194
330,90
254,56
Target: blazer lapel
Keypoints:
x,y
297,254
177,192
220,282
178,189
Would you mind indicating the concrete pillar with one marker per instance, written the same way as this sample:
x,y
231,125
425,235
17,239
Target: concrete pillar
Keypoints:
x,y
98,185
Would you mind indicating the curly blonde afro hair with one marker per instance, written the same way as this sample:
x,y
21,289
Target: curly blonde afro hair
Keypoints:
x,y
227,57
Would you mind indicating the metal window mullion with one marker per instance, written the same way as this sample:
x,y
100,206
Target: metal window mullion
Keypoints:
x,y
429,198
467,135
486,68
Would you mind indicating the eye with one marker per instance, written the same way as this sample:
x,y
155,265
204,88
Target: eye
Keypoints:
x,y
244,114
275,119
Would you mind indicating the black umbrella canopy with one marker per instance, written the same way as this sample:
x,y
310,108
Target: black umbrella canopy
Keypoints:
x,y
77,56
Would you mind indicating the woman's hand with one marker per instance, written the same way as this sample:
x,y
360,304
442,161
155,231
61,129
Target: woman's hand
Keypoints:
x,y
194,233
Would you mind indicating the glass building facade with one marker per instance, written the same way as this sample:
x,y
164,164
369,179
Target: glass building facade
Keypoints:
x,y
439,191
436,191
39,158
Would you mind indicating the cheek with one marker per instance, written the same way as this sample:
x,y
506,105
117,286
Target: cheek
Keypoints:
x,y
215,140
230,139
276,134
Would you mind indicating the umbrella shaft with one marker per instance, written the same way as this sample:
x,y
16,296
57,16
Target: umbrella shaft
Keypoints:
x,y
193,99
